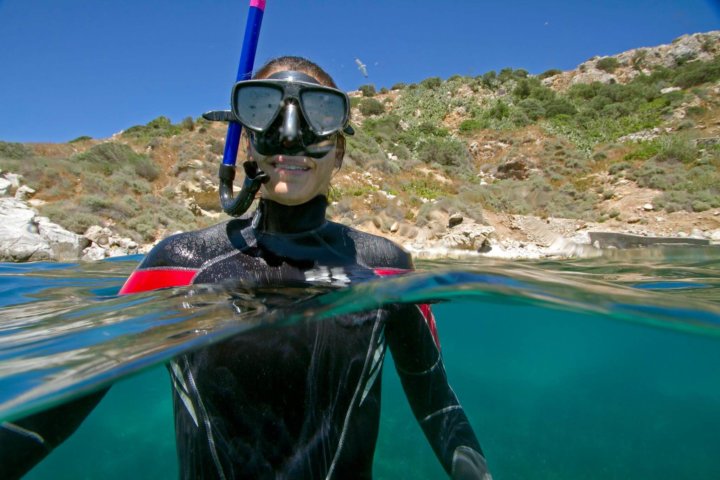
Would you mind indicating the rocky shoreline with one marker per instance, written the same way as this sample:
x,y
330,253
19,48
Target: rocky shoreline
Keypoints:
x,y
26,236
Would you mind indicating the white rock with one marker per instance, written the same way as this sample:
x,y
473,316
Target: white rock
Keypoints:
x,y
65,245
14,179
670,90
93,253
24,192
24,236
99,235
5,186
715,235
115,252
648,207
127,244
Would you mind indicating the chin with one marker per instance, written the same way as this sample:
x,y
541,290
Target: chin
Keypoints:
x,y
290,199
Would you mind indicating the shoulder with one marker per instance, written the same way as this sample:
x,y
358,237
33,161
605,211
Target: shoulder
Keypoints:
x,y
376,251
189,249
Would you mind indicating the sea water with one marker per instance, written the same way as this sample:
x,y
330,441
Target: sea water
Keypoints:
x,y
577,369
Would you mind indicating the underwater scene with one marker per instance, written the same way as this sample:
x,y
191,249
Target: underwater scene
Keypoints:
x,y
595,368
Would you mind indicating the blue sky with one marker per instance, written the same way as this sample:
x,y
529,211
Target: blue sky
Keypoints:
x,y
95,67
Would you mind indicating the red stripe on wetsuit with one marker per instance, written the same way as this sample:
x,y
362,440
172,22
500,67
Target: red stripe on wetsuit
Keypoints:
x,y
424,307
155,278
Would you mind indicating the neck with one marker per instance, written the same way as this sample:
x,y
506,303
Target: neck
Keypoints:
x,y
273,217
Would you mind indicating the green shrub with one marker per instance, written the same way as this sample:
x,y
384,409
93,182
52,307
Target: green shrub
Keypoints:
x,y
608,64
14,150
398,86
188,124
618,167
505,75
549,73
489,80
146,168
638,60
533,108
447,152
367,90
696,73
370,106
499,111
159,127
80,139
432,82
430,129
472,125
677,148
70,216
364,150
106,158
700,206
558,107
424,188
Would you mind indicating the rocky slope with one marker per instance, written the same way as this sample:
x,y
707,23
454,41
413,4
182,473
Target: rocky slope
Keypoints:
x,y
504,164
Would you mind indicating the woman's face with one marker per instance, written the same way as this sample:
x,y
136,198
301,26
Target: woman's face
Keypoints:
x,y
295,179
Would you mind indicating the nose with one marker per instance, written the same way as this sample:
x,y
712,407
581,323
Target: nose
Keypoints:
x,y
290,128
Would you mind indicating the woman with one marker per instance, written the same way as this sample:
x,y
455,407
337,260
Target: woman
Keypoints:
x,y
302,401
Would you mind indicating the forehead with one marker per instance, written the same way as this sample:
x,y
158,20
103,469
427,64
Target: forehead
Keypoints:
x,y
293,76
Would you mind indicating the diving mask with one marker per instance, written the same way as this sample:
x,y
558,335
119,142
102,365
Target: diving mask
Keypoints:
x,y
291,113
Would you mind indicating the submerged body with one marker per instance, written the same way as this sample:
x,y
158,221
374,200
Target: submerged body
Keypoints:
x,y
303,401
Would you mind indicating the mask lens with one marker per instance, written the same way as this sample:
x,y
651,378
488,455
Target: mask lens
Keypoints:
x,y
257,105
324,111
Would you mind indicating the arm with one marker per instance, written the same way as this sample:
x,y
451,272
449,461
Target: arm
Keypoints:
x,y
25,442
434,404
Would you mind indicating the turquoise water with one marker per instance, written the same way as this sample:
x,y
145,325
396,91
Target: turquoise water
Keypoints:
x,y
601,368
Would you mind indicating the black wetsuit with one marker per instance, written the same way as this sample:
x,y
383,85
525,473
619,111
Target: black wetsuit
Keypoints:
x,y
302,401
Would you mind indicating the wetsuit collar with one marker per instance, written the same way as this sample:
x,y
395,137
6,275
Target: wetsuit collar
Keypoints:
x,y
273,217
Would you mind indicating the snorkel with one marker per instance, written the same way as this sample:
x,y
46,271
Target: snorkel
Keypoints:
x,y
254,177
288,112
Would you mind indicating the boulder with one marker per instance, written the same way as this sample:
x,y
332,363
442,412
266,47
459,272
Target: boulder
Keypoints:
x,y
468,237
93,253
24,192
25,236
455,219
5,187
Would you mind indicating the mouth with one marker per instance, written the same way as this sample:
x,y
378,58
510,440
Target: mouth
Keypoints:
x,y
290,166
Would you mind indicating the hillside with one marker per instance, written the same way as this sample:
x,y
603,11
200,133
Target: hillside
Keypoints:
x,y
505,162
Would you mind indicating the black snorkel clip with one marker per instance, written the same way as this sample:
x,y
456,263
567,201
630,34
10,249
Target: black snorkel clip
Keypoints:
x,y
254,177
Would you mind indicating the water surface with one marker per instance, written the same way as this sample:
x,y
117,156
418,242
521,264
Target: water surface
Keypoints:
x,y
597,368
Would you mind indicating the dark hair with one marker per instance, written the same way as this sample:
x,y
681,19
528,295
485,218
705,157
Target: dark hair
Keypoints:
x,y
299,64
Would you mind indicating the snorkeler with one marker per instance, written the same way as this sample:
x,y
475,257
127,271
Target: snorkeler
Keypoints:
x,y
303,401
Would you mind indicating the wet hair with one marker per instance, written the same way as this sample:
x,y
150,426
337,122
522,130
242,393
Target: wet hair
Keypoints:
x,y
300,64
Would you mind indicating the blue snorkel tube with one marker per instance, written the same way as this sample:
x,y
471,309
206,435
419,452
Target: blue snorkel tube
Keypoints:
x,y
254,178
